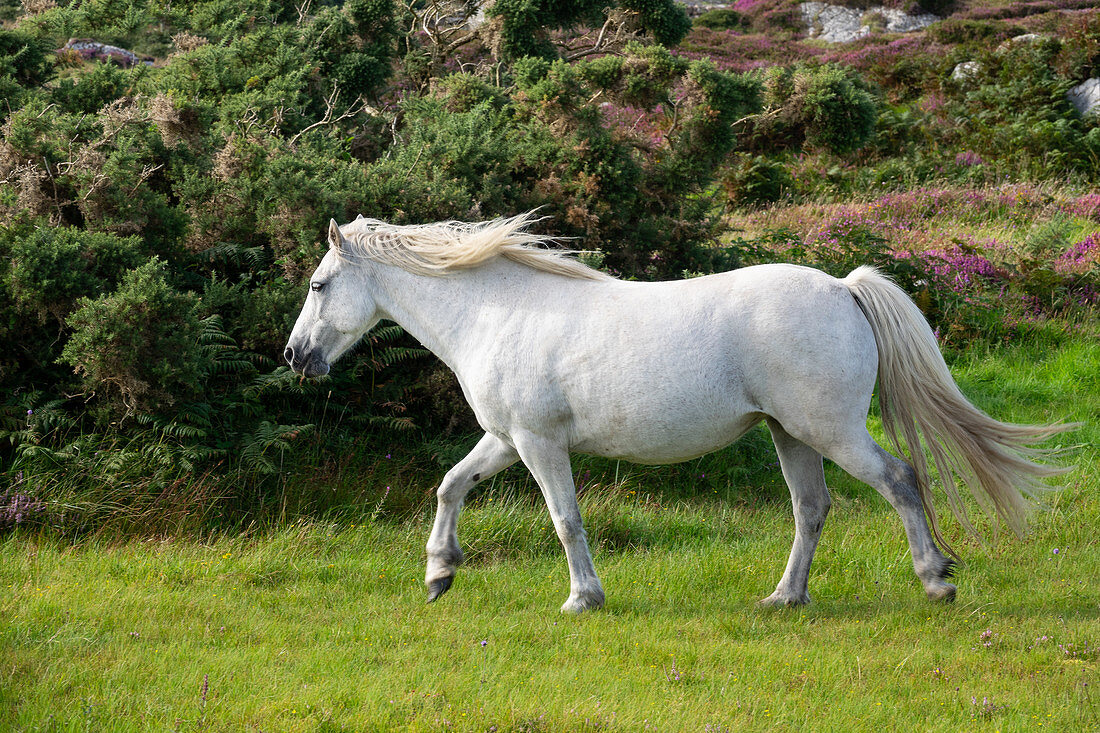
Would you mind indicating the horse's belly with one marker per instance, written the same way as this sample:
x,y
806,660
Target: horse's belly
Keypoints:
x,y
668,436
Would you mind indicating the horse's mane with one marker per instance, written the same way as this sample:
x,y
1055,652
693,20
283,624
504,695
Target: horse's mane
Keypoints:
x,y
446,246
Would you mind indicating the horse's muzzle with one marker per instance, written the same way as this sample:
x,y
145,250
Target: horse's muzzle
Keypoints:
x,y
308,365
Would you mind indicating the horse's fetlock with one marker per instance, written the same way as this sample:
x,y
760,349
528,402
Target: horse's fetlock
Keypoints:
x,y
447,556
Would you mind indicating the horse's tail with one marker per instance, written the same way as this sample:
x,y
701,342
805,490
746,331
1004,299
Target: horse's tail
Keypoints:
x,y
918,397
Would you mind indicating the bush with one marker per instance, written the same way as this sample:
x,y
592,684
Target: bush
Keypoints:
x,y
753,180
24,58
1015,110
720,19
963,31
23,66
835,109
102,84
53,267
524,25
137,348
824,107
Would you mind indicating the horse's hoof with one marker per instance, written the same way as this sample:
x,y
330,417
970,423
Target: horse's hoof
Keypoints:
x,y
944,592
779,600
438,587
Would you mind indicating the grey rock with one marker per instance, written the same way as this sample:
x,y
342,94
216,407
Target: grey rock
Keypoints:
x,y
1022,40
1086,97
838,24
966,70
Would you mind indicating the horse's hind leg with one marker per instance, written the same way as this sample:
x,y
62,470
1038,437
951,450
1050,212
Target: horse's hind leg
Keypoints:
x,y
490,456
865,459
805,478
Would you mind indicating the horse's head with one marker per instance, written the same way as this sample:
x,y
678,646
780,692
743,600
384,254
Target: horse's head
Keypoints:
x,y
337,313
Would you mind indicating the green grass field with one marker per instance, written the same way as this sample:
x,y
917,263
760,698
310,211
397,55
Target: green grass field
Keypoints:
x,y
322,626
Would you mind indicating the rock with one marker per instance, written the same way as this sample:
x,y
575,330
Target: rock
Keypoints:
x,y
837,24
89,50
966,70
1086,97
900,22
1024,40
695,8
833,23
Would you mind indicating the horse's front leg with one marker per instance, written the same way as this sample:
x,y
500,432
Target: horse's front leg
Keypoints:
x,y
549,464
490,456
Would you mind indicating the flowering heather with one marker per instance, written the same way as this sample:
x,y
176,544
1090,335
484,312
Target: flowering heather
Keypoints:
x,y
919,219
932,103
1080,257
1024,9
749,6
968,158
871,54
17,508
733,51
960,269
1087,206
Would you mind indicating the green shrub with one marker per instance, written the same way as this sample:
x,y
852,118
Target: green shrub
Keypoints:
x,y
24,58
54,267
753,180
525,25
824,107
103,83
138,347
667,22
720,19
965,31
640,77
1014,110
463,92
353,46
837,112
23,66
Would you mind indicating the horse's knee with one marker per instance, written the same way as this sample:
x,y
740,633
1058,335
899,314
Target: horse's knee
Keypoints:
x,y
570,532
453,488
812,511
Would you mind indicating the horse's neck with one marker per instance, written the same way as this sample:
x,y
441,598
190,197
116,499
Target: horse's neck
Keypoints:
x,y
452,314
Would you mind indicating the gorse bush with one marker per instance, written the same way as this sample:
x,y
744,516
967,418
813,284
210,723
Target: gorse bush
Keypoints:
x,y
754,179
822,107
720,19
139,343
23,66
54,266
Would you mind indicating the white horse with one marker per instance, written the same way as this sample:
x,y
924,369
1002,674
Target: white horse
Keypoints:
x,y
555,357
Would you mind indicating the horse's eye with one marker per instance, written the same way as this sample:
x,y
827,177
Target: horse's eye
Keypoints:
x,y
316,287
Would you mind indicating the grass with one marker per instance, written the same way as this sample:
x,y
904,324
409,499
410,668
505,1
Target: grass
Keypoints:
x,y
321,626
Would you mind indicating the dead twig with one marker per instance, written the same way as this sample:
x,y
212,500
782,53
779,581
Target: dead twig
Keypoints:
x,y
328,118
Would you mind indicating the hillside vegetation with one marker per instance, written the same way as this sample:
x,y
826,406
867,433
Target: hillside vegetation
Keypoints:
x,y
157,220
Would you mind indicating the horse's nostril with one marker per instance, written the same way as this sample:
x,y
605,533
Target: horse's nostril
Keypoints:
x,y
288,354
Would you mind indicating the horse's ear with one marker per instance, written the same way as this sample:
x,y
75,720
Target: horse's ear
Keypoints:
x,y
360,217
335,238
